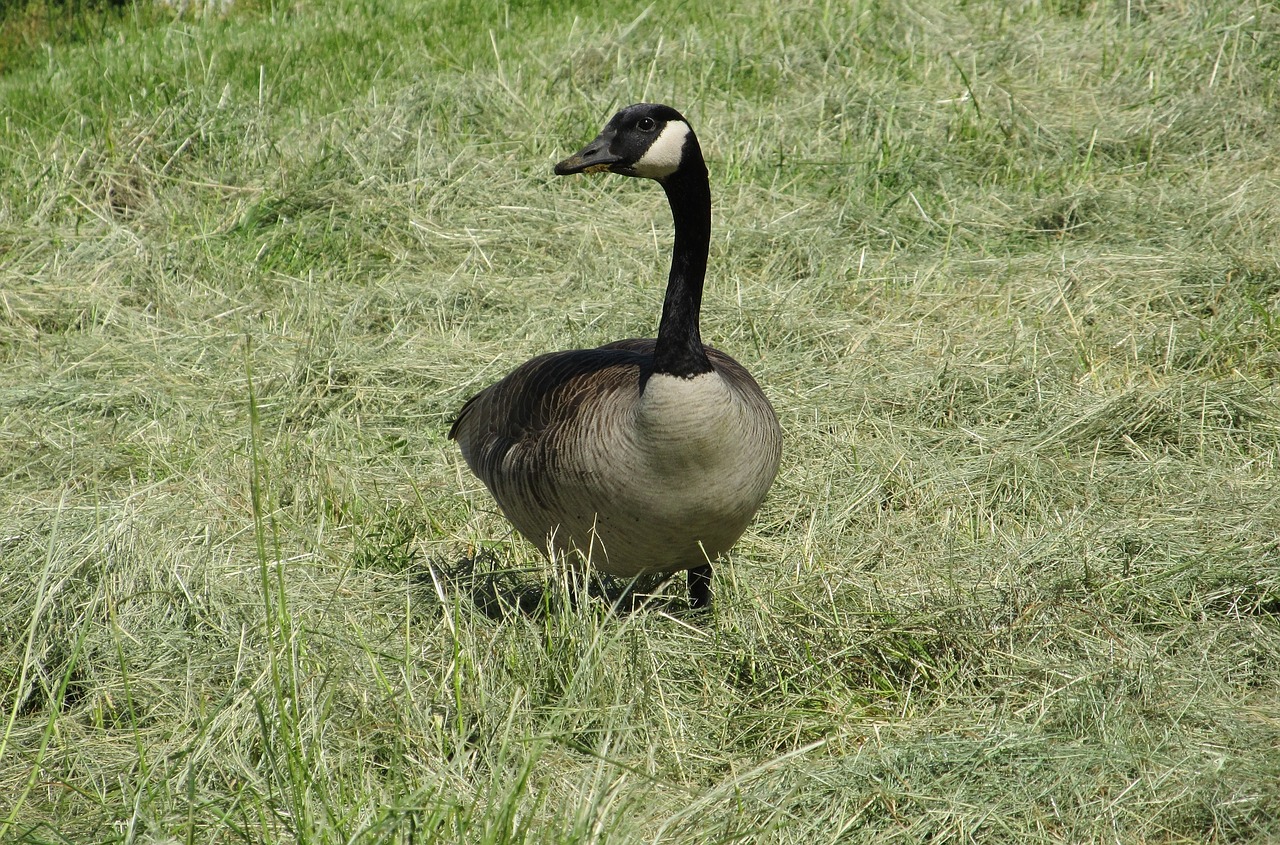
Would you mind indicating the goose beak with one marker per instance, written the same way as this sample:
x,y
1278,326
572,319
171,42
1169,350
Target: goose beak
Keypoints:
x,y
593,158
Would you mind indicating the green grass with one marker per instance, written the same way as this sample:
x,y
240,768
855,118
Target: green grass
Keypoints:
x,y
1009,272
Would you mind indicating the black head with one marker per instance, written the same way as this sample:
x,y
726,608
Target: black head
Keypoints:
x,y
647,139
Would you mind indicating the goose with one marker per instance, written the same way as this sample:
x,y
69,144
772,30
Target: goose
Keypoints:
x,y
641,456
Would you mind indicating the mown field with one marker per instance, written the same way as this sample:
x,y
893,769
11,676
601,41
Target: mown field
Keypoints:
x,y
1009,272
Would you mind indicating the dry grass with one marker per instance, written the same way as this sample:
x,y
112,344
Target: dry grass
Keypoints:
x,y
1009,274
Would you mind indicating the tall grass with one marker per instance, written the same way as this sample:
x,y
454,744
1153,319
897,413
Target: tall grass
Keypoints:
x,y
1008,272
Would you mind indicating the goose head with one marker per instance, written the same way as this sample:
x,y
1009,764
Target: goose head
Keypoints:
x,y
648,140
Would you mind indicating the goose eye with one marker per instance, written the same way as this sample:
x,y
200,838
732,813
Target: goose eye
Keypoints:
x,y
646,124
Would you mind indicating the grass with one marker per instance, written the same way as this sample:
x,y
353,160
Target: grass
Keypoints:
x,y
1009,273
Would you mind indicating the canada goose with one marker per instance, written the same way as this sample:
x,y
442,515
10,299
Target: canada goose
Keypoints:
x,y
642,456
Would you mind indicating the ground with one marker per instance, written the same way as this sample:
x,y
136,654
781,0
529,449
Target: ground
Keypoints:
x,y
1008,272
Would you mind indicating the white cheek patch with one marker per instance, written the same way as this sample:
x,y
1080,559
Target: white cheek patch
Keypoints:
x,y
664,154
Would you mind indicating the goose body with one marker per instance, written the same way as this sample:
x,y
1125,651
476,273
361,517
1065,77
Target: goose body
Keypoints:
x,y
643,455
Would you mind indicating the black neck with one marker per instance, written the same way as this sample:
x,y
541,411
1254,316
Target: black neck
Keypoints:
x,y
679,350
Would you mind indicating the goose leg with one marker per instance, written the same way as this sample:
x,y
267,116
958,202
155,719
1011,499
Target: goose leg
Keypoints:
x,y
700,586
576,588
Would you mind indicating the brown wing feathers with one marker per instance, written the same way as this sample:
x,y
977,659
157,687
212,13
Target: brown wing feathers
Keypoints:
x,y
541,395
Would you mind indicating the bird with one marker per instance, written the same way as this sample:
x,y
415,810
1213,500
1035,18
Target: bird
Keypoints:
x,y
641,456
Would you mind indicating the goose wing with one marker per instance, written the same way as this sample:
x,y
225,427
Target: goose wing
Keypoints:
x,y
534,405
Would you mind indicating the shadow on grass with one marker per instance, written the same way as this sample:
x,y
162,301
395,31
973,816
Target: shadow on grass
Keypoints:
x,y
501,592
